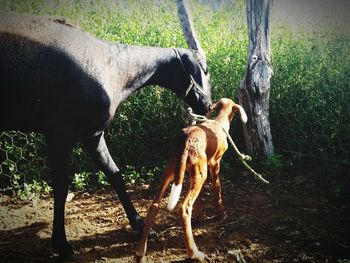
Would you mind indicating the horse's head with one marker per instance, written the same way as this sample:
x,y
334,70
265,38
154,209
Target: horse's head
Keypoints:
x,y
196,89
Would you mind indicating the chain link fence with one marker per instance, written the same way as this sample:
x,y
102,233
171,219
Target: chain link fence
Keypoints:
x,y
140,136
313,122
310,95
22,159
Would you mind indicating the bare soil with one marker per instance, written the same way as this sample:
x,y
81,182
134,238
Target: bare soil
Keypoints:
x,y
291,220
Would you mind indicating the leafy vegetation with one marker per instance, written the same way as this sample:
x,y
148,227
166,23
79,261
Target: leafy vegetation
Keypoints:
x,y
310,91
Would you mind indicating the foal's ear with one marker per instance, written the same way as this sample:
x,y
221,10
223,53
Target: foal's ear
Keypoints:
x,y
237,107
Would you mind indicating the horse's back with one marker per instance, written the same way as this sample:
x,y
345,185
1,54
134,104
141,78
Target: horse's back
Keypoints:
x,y
47,72
46,30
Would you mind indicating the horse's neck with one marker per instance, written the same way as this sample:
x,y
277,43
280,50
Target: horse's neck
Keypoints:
x,y
137,66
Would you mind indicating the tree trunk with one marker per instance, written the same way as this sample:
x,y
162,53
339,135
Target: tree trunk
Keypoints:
x,y
187,26
255,87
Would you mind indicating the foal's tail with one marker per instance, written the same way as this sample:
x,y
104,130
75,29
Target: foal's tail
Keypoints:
x,y
178,180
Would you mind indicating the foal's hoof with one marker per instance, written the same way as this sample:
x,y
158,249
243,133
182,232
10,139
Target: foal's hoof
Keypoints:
x,y
198,256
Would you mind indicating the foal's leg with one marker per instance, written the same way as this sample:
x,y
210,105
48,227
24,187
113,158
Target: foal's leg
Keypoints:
x,y
214,169
98,150
197,178
59,152
198,206
141,246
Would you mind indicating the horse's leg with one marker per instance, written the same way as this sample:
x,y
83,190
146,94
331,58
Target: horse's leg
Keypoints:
x,y
59,152
98,150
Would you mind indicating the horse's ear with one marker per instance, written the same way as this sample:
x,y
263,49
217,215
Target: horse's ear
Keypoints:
x,y
213,110
201,61
192,67
213,106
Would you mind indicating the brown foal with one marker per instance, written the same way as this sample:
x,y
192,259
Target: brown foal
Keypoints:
x,y
200,146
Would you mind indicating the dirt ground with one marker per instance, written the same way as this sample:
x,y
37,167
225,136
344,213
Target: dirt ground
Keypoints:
x,y
291,220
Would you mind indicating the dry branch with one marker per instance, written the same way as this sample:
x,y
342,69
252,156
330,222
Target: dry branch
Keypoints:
x,y
187,26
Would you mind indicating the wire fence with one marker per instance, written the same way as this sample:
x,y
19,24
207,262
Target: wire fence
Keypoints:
x,y
310,95
22,159
143,131
140,135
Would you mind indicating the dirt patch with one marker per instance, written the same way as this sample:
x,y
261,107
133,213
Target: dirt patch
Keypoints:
x,y
289,221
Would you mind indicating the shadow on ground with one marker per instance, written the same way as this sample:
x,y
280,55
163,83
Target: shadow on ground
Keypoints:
x,y
290,220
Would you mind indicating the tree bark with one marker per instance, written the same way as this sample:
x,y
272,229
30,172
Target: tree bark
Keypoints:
x,y
255,87
186,21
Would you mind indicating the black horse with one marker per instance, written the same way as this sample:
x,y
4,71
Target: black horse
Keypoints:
x,y
60,81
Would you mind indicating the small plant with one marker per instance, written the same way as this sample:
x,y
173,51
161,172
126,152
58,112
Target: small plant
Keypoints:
x,y
80,180
132,174
32,190
101,178
338,181
273,163
224,166
153,173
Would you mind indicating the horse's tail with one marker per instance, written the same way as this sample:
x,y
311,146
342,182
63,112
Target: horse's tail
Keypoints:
x,y
178,180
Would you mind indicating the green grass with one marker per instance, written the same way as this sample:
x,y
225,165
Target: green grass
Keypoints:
x,y
310,93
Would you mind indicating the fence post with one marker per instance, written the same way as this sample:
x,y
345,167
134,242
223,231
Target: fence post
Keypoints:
x,y
255,87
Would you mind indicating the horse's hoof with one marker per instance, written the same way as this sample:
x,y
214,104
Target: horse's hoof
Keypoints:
x,y
70,258
66,254
139,259
152,234
139,228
